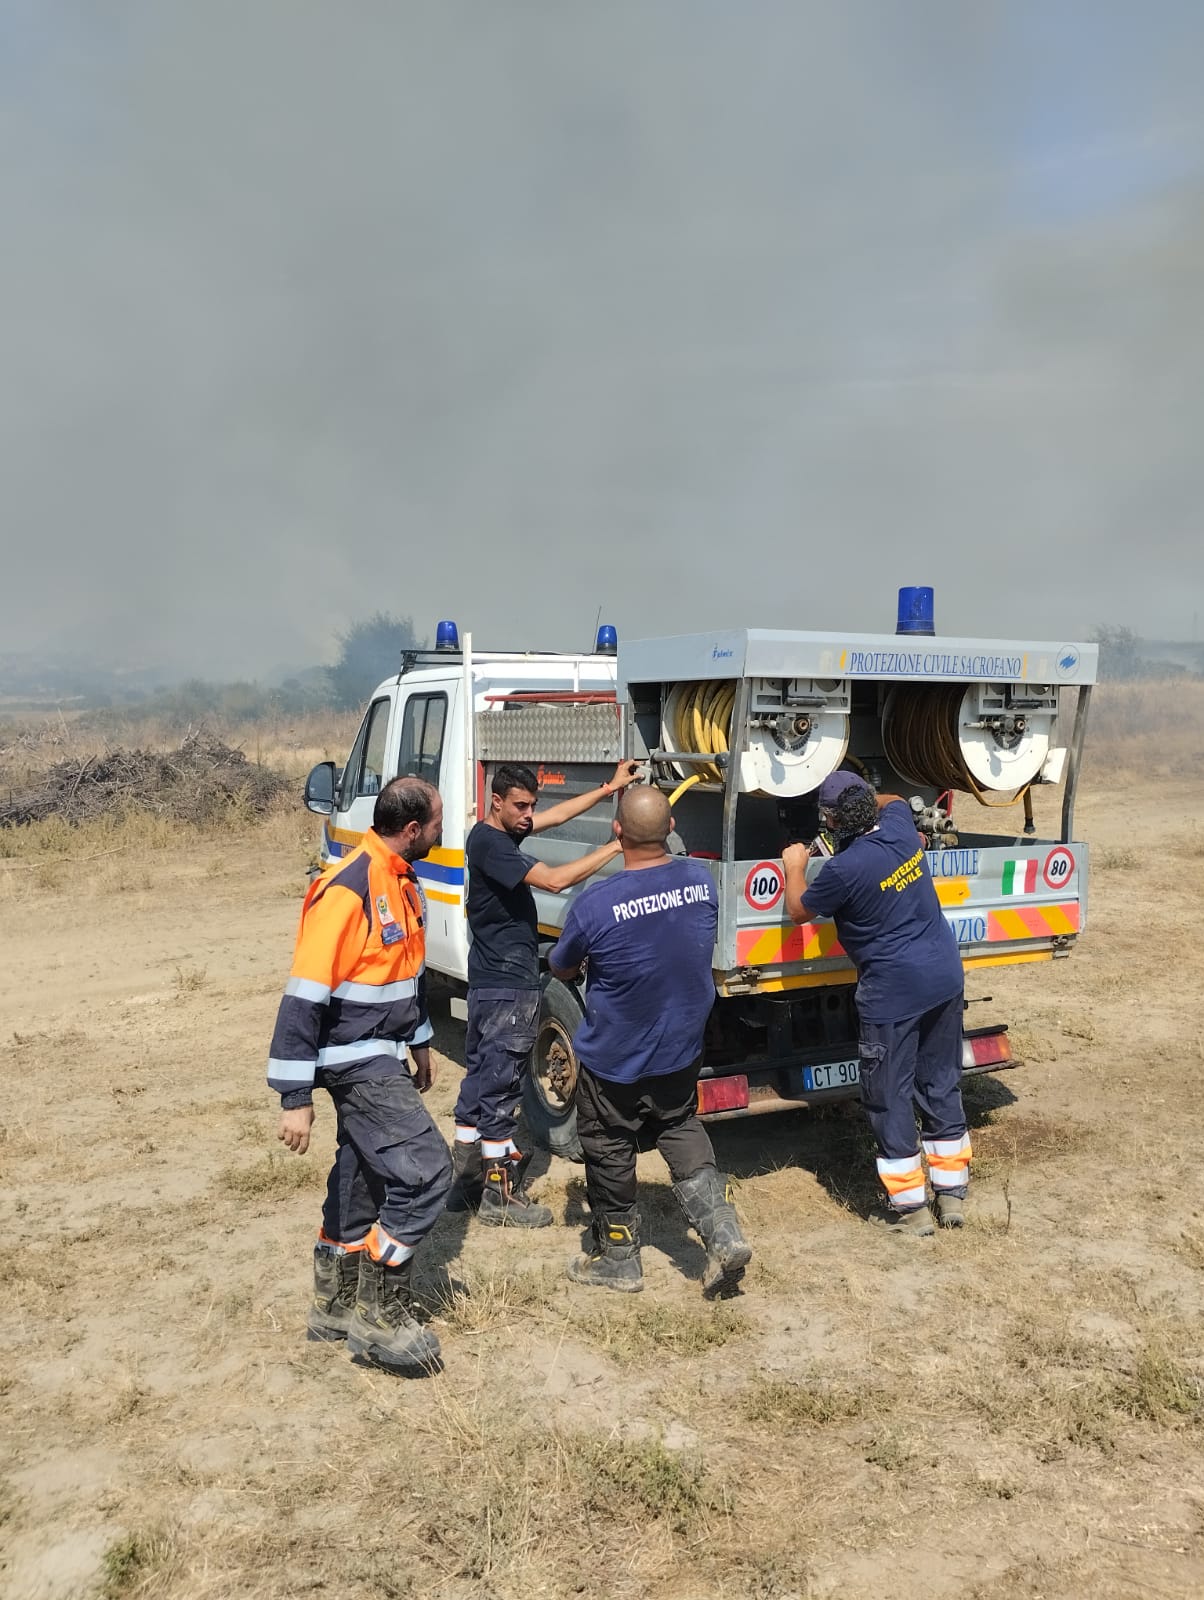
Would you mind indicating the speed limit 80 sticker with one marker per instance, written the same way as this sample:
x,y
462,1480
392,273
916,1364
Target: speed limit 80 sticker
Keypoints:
x,y
764,885
1059,867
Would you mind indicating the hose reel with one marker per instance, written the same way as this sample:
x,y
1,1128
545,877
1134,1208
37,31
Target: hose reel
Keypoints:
x,y
796,736
974,737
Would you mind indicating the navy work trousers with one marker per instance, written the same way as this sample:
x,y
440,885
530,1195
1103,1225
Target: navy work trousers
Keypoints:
x,y
501,1035
909,1065
391,1165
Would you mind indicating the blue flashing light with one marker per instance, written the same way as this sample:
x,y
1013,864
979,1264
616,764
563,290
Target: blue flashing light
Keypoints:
x,y
447,636
608,640
916,611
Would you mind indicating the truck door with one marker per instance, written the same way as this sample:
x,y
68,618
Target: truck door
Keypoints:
x,y
366,771
427,750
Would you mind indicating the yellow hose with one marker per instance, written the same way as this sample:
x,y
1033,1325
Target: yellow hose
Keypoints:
x,y
686,783
702,723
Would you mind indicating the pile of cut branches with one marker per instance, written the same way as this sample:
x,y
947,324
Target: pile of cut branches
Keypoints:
x,y
201,780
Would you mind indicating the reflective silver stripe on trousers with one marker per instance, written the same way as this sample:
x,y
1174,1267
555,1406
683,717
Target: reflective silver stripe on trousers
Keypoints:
x,y
290,1071
307,989
338,1055
377,993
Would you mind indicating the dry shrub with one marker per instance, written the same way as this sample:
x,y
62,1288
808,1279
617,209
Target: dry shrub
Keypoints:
x,y
1163,1388
619,1479
484,1303
272,1177
816,1402
139,1564
659,1329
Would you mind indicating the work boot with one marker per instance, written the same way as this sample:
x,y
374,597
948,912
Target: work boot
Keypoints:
x,y
468,1175
950,1210
706,1199
505,1203
614,1262
914,1224
383,1327
336,1273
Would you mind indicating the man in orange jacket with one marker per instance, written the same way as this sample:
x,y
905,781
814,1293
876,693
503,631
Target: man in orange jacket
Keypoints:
x,y
353,1021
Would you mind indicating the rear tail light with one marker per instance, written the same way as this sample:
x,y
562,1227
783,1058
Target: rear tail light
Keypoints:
x,y
986,1050
723,1094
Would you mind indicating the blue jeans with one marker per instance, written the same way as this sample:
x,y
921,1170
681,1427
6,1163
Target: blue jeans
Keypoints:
x,y
502,1024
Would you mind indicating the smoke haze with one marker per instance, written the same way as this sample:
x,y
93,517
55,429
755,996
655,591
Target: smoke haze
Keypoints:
x,y
703,314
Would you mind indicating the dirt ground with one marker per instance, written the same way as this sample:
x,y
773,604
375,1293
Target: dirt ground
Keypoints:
x,y
1016,1410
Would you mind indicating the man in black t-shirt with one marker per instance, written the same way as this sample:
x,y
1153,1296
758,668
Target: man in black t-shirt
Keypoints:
x,y
503,981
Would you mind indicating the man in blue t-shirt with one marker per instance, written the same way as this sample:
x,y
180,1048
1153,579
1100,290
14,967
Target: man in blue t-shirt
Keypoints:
x,y
648,935
879,892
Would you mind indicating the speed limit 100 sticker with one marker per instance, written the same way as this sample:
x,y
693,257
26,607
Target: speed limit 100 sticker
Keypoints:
x,y
763,886
1059,865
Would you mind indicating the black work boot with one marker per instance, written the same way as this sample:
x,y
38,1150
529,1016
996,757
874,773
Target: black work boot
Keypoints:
x,y
505,1203
383,1327
614,1262
706,1198
468,1175
336,1273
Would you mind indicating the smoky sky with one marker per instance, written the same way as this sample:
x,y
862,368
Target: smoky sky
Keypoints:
x,y
698,313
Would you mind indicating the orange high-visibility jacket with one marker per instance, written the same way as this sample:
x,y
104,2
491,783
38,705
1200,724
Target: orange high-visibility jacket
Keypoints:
x,y
357,990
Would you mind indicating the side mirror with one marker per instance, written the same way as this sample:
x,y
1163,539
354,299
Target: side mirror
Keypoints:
x,y
319,789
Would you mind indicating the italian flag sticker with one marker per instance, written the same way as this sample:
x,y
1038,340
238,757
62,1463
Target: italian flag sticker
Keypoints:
x,y
1019,877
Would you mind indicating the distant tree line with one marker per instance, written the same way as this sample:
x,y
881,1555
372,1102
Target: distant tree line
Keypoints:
x,y
369,651
1125,657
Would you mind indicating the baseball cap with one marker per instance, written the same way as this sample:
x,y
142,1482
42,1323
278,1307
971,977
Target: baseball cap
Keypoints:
x,y
838,783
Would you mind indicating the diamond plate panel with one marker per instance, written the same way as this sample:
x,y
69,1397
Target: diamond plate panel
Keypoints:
x,y
549,733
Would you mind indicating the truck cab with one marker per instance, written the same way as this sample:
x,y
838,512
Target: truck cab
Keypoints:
x,y
428,722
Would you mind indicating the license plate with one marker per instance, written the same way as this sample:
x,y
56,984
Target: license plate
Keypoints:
x,y
832,1075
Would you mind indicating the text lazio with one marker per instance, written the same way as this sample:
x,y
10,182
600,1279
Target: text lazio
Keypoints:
x,y
667,900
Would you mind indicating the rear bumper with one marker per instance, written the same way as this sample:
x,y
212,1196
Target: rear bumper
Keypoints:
x,y
781,1087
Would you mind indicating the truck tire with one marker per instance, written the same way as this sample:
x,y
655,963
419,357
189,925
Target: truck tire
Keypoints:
x,y
550,1084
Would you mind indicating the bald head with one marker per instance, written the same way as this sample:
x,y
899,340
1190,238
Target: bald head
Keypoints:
x,y
644,817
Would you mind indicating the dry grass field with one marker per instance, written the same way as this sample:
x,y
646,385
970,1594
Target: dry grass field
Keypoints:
x,y
1014,1411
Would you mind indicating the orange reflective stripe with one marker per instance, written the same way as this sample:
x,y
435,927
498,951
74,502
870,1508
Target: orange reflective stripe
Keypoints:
x,y
349,1249
955,1163
896,1182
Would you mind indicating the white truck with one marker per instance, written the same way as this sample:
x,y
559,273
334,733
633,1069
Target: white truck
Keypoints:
x,y
741,726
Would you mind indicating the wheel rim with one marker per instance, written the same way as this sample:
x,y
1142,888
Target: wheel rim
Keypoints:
x,y
555,1067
